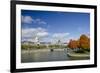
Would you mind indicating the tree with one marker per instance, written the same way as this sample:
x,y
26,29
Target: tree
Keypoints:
x,y
84,42
73,44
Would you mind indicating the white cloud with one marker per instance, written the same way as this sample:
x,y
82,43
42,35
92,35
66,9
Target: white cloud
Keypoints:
x,y
32,33
30,20
60,35
42,34
26,19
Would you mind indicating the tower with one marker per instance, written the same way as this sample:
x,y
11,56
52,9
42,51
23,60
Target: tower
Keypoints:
x,y
37,40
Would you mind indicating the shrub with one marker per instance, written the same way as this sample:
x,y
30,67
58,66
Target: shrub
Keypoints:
x,y
80,51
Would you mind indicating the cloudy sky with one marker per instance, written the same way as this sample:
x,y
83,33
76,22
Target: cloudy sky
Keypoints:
x,y
51,26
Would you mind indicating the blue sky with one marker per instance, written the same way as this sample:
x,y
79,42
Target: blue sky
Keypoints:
x,y
50,25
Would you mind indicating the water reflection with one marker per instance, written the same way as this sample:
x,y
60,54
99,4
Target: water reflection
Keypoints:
x,y
46,55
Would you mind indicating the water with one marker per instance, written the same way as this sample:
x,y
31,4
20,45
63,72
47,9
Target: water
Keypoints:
x,y
46,55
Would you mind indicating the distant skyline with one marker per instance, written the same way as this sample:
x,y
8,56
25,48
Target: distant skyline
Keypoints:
x,y
52,26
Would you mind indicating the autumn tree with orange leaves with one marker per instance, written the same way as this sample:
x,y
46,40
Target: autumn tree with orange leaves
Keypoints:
x,y
83,42
73,44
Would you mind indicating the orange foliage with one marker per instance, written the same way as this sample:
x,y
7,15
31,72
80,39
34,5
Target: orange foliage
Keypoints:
x,y
73,44
83,42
